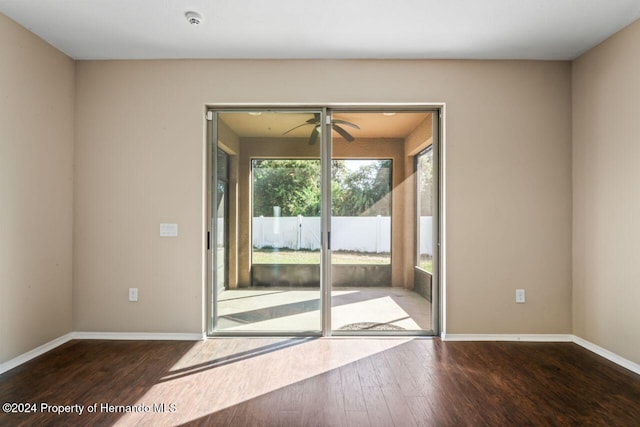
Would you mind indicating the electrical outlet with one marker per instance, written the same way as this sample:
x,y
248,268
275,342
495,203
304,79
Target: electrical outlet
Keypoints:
x,y
133,294
520,298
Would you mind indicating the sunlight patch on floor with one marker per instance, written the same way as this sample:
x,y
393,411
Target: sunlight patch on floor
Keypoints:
x,y
254,374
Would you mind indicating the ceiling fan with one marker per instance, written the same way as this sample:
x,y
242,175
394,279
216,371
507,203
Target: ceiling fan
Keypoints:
x,y
335,125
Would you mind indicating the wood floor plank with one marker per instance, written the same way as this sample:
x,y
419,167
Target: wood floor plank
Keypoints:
x,y
366,373
357,418
351,388
323,400
399,408
377,409
403,377
382,370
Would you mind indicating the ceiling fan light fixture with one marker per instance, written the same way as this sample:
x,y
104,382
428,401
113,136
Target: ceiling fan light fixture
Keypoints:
x,y
193,18
336,125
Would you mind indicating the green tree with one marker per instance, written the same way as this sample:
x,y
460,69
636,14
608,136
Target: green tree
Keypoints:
x,y
425,183
365,191
293,185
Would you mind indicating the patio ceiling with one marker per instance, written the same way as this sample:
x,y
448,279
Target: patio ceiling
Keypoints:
x,y
372,124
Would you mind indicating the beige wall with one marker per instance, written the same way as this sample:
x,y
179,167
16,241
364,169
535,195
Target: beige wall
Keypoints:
x,y
606,199
139,150
139,162
36,206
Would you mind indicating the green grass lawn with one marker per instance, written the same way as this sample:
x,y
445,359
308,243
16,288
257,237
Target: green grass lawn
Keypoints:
x,y
313,257
286,256
427,264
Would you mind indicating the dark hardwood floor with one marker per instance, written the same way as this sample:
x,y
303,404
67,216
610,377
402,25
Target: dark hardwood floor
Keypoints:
x,y
322,382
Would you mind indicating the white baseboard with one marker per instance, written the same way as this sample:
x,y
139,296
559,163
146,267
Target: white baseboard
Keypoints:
x,y
609,355
618,360
32,354
142,336
508,337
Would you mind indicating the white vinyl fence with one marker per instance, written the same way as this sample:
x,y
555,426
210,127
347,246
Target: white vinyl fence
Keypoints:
x,y
348,233
426,234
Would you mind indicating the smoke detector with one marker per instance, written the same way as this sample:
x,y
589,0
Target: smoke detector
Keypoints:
x,y
193,18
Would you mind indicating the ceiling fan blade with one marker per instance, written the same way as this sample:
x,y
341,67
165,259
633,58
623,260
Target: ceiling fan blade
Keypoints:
x,y
314,120
314,135
299,126
343,133
345,123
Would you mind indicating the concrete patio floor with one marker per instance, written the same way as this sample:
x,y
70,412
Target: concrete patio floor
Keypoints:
x,y
269,309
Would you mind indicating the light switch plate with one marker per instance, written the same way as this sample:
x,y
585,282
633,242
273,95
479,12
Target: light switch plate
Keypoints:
x,y
133,294
168,230
520,296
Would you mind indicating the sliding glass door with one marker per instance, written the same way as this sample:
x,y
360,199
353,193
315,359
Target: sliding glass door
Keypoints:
x,y
222,215
425,258
276,227
318,222
372,223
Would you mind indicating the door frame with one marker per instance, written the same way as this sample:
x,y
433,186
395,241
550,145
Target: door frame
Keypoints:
x,y
210,194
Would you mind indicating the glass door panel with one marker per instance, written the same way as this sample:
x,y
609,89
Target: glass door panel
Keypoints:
x,y
277,231
222,214
371,220
423,271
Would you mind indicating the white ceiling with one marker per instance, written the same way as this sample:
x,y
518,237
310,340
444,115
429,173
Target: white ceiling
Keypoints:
x,y
461,29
